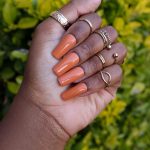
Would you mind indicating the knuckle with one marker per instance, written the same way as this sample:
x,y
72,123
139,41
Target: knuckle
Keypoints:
x,y
92,65
45,26
77,30
86,49
97,17
86,67
112,31
40,27
95,62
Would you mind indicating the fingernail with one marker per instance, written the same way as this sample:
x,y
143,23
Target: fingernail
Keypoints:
x,y
71,76
68,62
66,44
79,89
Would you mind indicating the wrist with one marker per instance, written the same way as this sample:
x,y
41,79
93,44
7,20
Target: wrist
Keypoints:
x,y
29,127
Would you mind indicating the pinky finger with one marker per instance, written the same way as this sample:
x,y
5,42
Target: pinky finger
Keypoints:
x,y
107,77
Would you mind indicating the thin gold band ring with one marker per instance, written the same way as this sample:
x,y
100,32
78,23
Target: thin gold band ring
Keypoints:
x,y
88,22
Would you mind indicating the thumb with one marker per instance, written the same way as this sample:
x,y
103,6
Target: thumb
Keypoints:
x,y
77,8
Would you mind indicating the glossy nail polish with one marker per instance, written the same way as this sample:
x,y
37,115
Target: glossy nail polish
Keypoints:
x,y
79,89
66,44
68,62
71,76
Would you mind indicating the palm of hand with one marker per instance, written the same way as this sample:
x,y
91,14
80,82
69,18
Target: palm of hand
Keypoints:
x,y
40,80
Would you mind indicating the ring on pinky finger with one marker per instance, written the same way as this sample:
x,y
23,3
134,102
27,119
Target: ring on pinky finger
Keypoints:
x,y
101,80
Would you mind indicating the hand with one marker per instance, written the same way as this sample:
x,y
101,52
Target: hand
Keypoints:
x,y
40,84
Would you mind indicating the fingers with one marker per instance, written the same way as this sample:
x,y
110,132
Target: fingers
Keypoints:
x,y
71,11
107,77
94,65
77,33
84,51
111,90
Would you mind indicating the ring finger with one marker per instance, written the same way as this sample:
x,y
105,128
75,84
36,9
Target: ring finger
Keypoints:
x,y
103,59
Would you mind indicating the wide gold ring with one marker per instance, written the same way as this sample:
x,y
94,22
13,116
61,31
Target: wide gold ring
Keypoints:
x,y
59,17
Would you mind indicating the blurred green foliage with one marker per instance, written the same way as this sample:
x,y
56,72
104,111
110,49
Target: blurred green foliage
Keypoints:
x,y
124,125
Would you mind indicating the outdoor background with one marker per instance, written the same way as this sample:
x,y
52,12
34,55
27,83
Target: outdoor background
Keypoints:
x,y
125,124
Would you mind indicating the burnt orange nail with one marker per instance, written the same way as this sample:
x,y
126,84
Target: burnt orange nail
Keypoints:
x,y
79,89
68,62
66,44
71,76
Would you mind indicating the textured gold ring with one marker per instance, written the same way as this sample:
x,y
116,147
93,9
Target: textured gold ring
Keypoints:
x,y
59,17
106,38
102,59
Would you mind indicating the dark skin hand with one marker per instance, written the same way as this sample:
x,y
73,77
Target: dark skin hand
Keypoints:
x,y
39,117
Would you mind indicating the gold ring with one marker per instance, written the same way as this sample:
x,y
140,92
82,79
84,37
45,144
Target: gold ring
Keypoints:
x,y
106,38
88,22
59,17
103,73
115,56
102,59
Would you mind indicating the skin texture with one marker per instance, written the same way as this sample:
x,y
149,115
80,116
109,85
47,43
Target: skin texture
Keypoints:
x,y
40,91
40,79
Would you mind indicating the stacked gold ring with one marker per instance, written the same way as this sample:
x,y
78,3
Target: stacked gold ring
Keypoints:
x,y
106,38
